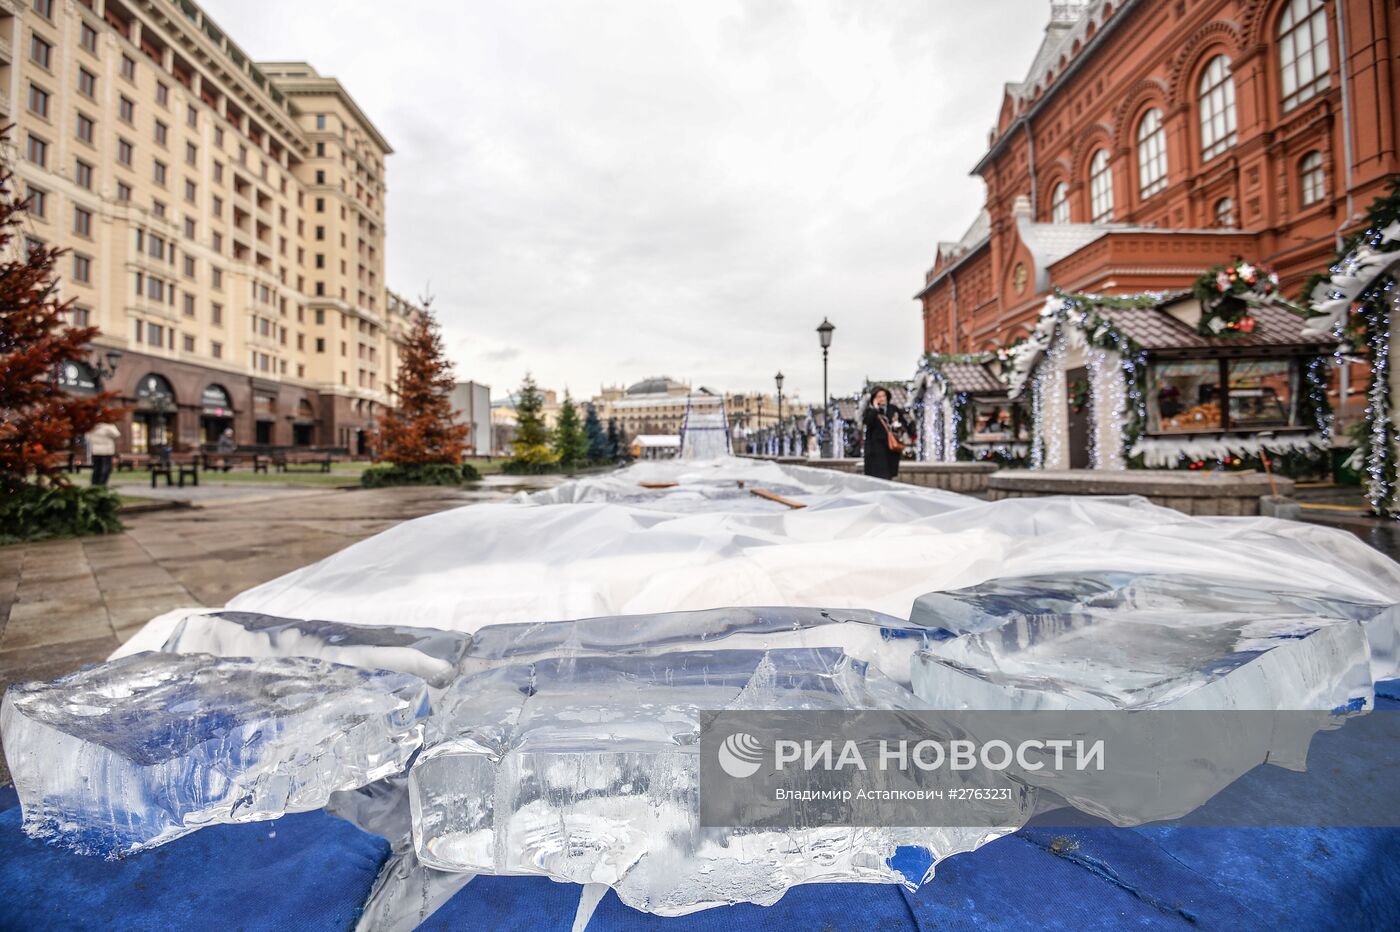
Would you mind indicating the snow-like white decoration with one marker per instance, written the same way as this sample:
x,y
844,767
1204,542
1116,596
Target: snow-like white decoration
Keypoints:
x,y
1161,452
1351,277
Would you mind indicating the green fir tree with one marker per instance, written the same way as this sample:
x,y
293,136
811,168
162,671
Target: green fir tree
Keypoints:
x,y
531,450
599,450
570,442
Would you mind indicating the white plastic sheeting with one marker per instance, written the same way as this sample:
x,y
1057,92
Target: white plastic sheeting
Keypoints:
x,y
609,546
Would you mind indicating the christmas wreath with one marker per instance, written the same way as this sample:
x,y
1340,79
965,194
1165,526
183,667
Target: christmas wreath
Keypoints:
x,y
1229,293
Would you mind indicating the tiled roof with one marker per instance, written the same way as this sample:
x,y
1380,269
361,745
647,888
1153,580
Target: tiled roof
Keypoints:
x,y
1155,329
971,377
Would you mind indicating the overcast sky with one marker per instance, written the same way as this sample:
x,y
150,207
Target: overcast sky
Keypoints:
x,y
599,191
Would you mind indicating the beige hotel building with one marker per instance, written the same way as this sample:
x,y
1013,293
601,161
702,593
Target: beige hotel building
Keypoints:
x,y
225,221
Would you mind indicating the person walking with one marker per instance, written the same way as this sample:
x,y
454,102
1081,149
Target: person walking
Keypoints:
x,y
887,430
102,446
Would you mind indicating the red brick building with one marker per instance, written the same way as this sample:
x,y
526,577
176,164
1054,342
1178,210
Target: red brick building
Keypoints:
x,y
1151,139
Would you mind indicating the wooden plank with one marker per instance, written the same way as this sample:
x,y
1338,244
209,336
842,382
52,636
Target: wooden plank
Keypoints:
x,y
658,485
774,497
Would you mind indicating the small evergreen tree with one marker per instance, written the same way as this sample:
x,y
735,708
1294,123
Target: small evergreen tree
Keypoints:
x,y
570,442
39,422
598,449
422,429
531,450
614,441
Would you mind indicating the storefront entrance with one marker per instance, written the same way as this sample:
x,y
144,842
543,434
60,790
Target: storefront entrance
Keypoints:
x,y
153,421
217,414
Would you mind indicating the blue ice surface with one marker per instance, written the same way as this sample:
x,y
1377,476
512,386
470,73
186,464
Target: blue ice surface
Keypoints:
x,y
309,872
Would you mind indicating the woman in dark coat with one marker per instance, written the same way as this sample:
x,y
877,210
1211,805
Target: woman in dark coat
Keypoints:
x,y
880,461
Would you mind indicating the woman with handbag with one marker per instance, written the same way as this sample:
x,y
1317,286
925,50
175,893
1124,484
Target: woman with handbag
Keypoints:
x,y
888,429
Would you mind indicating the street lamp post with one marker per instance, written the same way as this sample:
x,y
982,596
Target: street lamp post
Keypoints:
x,y
779,380
824,333
103,373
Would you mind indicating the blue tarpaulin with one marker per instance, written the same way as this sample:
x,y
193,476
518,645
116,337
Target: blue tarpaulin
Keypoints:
x,y
311,872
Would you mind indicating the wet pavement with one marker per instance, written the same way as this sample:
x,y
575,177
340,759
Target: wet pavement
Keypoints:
x,y
65,603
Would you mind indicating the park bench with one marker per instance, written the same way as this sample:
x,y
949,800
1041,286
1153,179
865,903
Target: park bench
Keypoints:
x,y
303,462
174,471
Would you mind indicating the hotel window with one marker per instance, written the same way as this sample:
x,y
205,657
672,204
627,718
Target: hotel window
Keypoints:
x,y
191,116
38,201
38,151
216,314
320,121
189,304
126,110
1302,48
158,172
1152,154
189,265
158,208
1225,214
219,172
123,191
44,8
82,174
87,129
219,136
191,191
189,229
162,94
81,316
82,221
128,68
1311,179
191,153
1217,98
218,206
38,100
1100,188
216,350
40,51
217,278
87,83
320,177
87,38
188,343
161,133
82,268
125,153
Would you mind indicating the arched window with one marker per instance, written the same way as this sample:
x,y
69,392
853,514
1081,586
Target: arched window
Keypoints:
x,y
1100,188
1311,180
1217,99
1059,204
1302,51
1225,213
1152,154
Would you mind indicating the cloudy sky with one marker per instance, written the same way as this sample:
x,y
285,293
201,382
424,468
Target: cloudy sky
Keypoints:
x,y
597,191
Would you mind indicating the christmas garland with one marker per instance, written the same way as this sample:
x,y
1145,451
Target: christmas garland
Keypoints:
x,y
1354,302
1229,292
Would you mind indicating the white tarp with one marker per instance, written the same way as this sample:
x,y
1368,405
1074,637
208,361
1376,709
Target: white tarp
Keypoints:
x,y
607,545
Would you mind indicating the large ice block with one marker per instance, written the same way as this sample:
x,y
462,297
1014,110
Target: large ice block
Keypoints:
x,y
1069,647
991,603
139,751
1136,644
427,653
586,769
884,641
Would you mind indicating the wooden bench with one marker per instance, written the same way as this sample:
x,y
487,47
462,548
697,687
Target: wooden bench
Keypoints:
x,y
173,471
318,462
